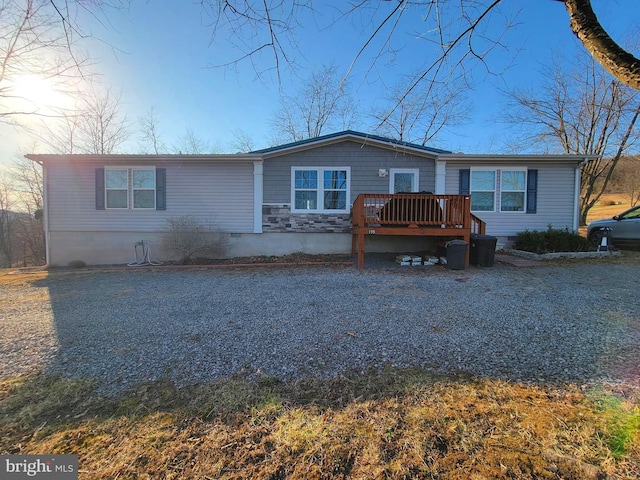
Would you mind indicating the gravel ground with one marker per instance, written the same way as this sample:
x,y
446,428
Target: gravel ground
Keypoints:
x,y
578,323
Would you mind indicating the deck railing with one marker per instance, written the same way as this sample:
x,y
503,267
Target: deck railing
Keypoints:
x,y
477,226
412,214
414,210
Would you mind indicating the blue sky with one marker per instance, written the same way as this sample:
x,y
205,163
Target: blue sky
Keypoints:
x,y
161,56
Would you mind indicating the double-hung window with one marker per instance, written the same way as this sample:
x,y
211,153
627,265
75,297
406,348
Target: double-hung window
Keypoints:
x,y
130,188
143,185
320,189
483,190
513,189
117,187
493,189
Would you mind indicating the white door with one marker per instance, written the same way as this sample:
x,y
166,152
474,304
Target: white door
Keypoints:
x,y
403,180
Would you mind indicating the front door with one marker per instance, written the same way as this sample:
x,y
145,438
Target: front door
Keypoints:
x,y
403,180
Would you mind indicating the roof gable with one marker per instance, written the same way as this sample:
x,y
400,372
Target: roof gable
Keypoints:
x,y
350,135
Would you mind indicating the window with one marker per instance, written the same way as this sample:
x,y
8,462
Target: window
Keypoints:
x,y
320,190
335,189
306,190
130,186
483,190
403,180
518,189
144,188
117,188
513,187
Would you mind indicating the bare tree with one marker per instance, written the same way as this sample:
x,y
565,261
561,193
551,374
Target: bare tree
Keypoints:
x,y
29,239
61,135
258,28
150,133
457,29
418,117
21,218
96,125
321,104
29,185
6,222
617,61
191,144
581,111
243,142
39,39
103,128
626,178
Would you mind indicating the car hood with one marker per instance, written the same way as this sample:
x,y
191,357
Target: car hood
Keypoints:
x,y
601,223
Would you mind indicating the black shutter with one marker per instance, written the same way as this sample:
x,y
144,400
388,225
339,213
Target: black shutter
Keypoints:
x,y
161,188
532,191
465,181
99,188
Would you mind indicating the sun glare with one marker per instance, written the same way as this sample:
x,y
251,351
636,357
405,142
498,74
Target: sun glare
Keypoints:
x,y
37,94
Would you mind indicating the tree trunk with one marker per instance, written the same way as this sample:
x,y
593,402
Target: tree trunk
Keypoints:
x,y
617,61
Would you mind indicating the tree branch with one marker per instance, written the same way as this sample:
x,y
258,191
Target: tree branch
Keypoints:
x,y
617,61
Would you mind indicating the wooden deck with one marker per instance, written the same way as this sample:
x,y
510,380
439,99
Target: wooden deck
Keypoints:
x,y
412,214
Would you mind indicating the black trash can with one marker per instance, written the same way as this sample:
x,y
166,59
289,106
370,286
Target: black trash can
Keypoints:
x,y
483,250
456,254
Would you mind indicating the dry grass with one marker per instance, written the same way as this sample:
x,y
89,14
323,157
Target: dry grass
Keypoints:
x,y
17,278
605,209
393,424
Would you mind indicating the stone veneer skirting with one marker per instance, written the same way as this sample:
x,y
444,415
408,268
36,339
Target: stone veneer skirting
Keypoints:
x,y
278,218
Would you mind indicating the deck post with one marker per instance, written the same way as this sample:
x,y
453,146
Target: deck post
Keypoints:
x,y
467,228
412,215
467,238
360,250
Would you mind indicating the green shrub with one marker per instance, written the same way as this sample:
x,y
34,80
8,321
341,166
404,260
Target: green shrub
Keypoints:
x,y
550,240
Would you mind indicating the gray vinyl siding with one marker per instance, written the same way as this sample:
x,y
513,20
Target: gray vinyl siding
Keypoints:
x,y
364,161
555,198
221,193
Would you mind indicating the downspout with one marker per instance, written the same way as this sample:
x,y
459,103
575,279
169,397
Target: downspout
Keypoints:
x,y
258,195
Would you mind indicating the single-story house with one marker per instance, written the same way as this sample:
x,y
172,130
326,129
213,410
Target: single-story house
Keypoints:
x,y
291,198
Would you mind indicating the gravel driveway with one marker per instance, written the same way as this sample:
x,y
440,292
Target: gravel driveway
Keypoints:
x,y
576,323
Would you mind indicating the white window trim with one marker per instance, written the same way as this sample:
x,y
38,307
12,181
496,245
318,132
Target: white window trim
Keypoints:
x,y
320,190
495,186
416,179
515,169
130,189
